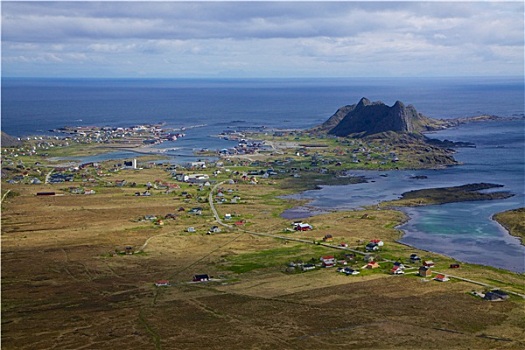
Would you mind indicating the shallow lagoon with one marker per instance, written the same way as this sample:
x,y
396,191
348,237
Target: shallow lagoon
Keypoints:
x,y
464,231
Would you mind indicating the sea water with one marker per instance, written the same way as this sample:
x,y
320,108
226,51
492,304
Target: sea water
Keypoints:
x,y
464,231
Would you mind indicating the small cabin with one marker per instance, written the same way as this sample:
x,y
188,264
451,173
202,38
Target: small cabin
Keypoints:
x,y
328,238
201,278
441,278
428,263
162,283
424,271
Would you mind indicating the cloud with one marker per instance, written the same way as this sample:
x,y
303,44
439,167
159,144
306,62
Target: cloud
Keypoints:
x,y
264,38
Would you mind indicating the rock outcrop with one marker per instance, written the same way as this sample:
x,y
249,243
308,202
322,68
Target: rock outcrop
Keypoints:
x,y
368,118
9,141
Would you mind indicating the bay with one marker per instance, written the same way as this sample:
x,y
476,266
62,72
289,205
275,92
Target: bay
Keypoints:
x,y
462,230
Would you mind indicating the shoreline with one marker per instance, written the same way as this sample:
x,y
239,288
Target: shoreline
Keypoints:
x,y
284,146
311,211
513,222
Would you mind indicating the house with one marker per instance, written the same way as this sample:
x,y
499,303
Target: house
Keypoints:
x,y
491,296
396,270
308,267
227,216
399,265
195,211
328,238
378,242
428,263
348,271
201,278
368,257
441,278
424,271
501,294
196,178
350,257
190,229
371,265
302,227
372,247
328,261
414,258
454,266
215,229
162,283
200,165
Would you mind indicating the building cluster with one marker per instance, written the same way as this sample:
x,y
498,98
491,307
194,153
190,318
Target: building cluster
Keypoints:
x,y
146,134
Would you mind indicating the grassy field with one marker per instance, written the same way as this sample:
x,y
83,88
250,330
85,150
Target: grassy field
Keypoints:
x,y
68,284
514,222
65,284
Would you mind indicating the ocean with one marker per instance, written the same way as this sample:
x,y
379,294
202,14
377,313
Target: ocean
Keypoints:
x,y
461,230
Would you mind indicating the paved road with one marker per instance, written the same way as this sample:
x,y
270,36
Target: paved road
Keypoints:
x,y
48,175
5,195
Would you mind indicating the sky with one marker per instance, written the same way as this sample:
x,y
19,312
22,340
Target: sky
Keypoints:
x,y
234,39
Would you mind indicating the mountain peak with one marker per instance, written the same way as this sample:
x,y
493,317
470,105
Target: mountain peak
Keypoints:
x,y
364,102
367,118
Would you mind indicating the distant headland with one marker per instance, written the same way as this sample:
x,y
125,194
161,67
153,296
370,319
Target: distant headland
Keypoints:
x,y
369,118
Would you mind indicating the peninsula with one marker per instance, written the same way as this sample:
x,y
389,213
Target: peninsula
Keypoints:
x,y
100,253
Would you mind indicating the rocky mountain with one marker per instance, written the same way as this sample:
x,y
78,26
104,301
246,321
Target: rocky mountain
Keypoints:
x,y
9,141
368,118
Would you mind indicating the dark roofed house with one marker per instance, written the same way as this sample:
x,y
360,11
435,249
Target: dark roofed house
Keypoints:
x,y
424,271
201,278
491,296
370,247
328,238
501,294
414,258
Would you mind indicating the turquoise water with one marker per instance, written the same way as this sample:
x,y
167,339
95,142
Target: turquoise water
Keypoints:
x,y
464,231
461,230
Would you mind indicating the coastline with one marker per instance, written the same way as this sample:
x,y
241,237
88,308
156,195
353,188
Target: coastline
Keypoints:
x,y
513,221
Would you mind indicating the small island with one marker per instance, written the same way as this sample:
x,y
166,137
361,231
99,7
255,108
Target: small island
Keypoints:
x,y
433,196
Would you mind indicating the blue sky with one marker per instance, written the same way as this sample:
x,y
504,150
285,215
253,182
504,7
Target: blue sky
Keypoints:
x,y
215,39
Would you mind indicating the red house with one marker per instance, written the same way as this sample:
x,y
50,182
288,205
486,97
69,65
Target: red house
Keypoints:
x,y
441,278
328,261
302,227
162,283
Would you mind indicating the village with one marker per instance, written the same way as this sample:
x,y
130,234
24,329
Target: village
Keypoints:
x,y
140,234
199,189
